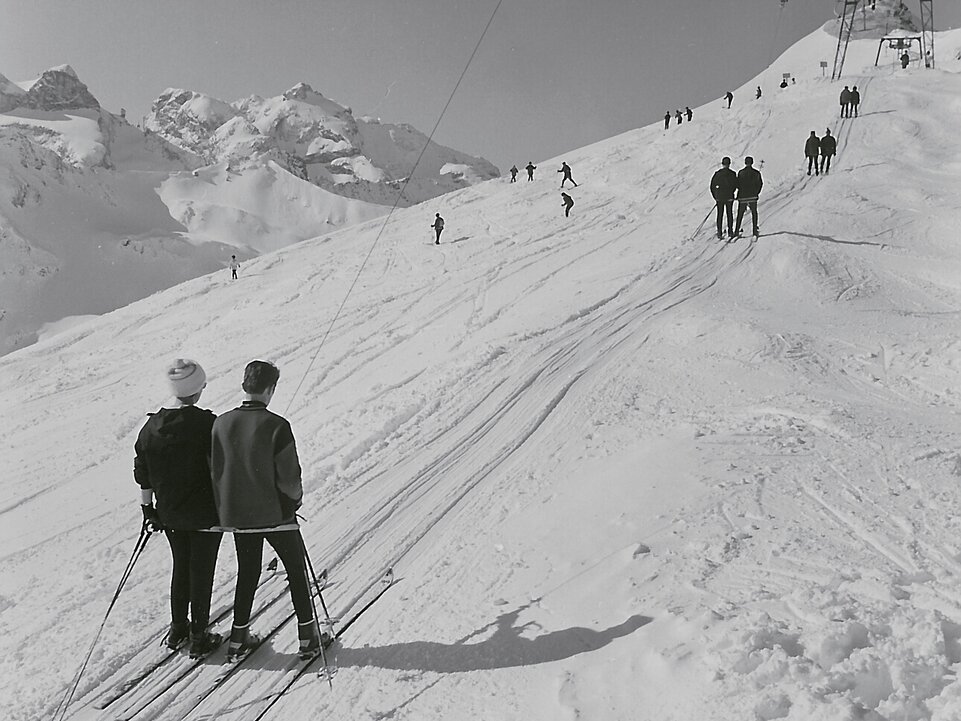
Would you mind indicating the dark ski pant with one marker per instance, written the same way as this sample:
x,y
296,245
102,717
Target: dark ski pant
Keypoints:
x,y
729,206
438,231
741,206
813,163
565,179
567,209
530,174
826,162
250,551
233,274
191,583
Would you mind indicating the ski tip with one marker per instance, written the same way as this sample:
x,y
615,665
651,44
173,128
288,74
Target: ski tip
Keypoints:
x,y
389,576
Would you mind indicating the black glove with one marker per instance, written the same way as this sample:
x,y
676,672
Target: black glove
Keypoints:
x,y
151,520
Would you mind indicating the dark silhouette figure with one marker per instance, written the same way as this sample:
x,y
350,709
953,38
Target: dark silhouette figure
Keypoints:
x,y
568,203
729,96
784,83
566,169
855,101
689,113
438,227
905,59
749,184
812,147
758,96
723,185
513,173
678,117
829,147
530,168
846,102
667,119
234,265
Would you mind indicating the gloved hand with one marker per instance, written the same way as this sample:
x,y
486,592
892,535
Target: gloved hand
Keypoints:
x,y
151,519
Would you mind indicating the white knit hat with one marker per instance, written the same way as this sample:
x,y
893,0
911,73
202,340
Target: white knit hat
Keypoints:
x,y
186,377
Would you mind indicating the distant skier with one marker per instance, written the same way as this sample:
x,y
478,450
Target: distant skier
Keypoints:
x,y
513,173
689,113
678,117
829,147
723,185
845,100
729,96
257,487
438,227
758,96
568,203
783,83
566,169
905,59
855,100
234,266
530,170
749,184
812,147
667,119
171,464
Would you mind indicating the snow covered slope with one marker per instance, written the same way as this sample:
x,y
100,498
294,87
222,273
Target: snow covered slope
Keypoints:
x,y
622,471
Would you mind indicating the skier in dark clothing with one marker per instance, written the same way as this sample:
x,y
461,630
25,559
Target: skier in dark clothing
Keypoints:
x,y
171,464
438,227
749,184
513,173
257,489
811,149
667,119
566,169
723,185
829,147
568,203
845,102
729,96
234,266
678,117
855,100
689,113
905,59
758,96
530,170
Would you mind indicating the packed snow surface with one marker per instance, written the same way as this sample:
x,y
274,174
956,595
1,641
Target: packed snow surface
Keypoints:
x,y
622,471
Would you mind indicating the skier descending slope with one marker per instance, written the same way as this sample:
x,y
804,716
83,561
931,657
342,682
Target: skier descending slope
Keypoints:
x,y
257,489
171,464
749,184
438,227
566,169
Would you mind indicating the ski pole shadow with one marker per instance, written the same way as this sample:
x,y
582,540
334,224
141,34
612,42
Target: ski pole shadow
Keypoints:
x,y
504,648
461,239
827,238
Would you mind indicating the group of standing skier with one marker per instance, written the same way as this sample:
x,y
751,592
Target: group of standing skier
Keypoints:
x,y
202,475
850,100
678,116
825,147
743,186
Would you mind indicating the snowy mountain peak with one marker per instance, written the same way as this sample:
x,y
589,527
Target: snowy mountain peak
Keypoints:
x,y
58,88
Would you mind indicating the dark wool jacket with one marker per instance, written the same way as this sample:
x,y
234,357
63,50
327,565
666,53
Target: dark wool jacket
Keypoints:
x,y
829,145
749,182
254,467
172,453
723,184
811,146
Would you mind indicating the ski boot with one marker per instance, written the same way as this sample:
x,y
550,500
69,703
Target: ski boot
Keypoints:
x,y
242,643
203,643
177,635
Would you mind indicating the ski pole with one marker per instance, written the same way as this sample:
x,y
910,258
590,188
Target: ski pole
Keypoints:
x,y
320,595
138,549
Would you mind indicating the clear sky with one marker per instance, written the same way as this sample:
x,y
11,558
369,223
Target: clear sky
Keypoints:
x,y
551,75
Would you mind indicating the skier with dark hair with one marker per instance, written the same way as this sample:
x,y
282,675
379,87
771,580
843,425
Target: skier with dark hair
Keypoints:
x,y
530,170
568,203
513,173
729,96
257,489
566,169
905,59
812,146
171,464
234,266
829,147
689,113
678,117
667,119
855,101
758,96
438,227
845,100
723,185
749,184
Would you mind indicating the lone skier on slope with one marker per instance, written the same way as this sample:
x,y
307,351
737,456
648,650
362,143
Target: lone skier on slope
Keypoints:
x,y
257,489
758,96
568,203
171,464
723,185
749,184
812,146
667,119
845,100
530,168
566,169
729,96
513,173
438,227
905,59
234,266
829,147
